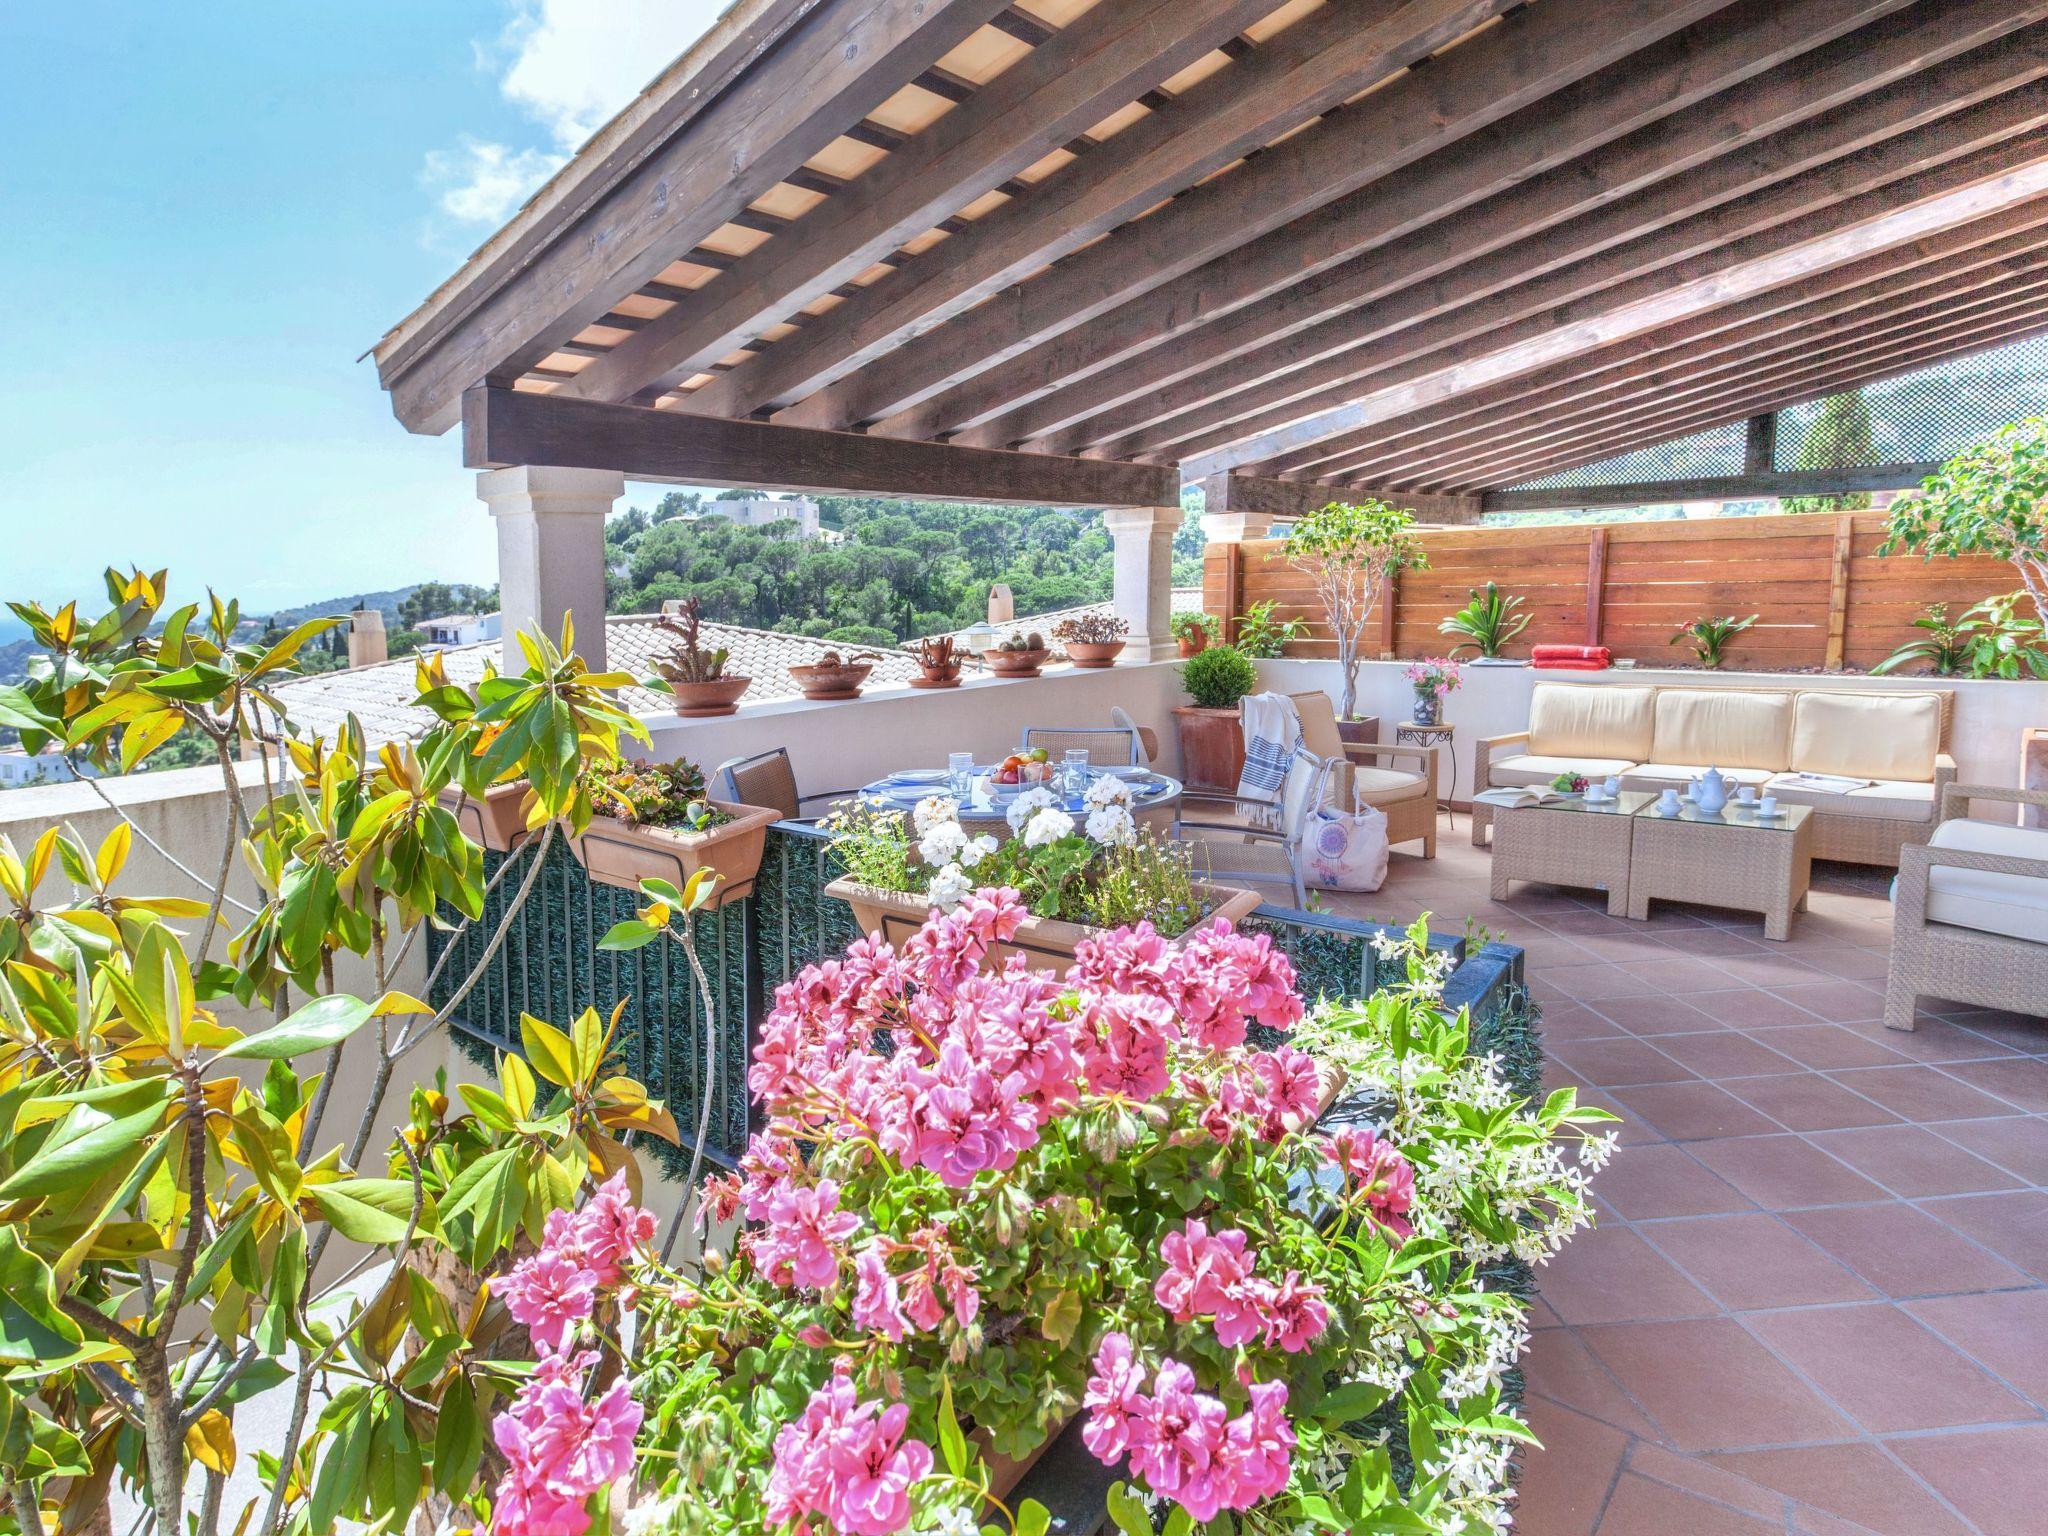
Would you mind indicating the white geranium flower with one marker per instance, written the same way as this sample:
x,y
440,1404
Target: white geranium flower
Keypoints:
x,y
932,811
1027,804
950,886
942,844
976,850
1107,790
1111,825
1048,825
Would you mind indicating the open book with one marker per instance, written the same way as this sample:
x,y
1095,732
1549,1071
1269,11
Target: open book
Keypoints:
x,y
1512,797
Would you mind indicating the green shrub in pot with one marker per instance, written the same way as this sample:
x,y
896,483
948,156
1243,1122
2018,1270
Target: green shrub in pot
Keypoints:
x,y
1216,678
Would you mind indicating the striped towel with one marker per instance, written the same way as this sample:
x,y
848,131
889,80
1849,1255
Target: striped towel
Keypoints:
x,y
1272,732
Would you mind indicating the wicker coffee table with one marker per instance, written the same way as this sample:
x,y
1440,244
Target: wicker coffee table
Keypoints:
x,y
1729,859
1568,842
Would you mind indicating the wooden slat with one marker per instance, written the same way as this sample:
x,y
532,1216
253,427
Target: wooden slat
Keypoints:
x,y
1596,582
1838,591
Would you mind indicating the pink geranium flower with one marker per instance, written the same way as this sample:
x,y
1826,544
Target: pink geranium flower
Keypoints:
x,y
1115,1396
846,1461
878,1303
1294,1313
560,1450
801,1244
1204,1273
1378,1174
551,1293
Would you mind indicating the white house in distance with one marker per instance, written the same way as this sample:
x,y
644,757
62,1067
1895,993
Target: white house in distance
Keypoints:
x,y
759,511
460,629
19,768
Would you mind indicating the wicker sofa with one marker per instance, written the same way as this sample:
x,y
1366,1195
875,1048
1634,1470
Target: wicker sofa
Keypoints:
x,y
1655,735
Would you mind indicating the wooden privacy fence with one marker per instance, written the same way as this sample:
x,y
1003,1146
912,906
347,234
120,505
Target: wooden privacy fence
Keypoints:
x,y
1824,596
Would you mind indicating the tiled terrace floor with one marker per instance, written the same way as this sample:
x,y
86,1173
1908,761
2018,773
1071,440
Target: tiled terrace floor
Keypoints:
x,y
1814,1302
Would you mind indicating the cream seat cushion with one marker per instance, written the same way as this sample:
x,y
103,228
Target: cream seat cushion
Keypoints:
x,y
2013,905
1657,775
1888,800
1590,720
1893,736
1534,768
1727,727
1380,786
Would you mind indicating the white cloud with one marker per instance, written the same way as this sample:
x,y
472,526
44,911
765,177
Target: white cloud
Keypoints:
x,y
568,66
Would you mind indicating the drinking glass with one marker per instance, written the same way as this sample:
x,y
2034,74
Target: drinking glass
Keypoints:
x,y
959,773
1075,776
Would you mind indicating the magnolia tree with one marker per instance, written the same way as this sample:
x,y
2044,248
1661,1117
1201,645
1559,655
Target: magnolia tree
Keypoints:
x,y
171,1182
1351,551
1991,499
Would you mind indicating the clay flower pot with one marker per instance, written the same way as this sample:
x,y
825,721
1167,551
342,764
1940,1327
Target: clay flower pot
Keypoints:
x,y
720,696
1016,663
938,677
824,680
496,822
623,853
1099,653
1193,644
1211,746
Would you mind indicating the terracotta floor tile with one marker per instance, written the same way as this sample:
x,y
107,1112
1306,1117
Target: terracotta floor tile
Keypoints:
x,y
2017,1143
1885,1370
2024,1032
1590,983
1560,1368
1772,968
1715,941
1699,1476
1913,1162
1998,1478
1643,1183
1750,1259
1710,1386
2015,1226
1931,1040
1782,1172
1843,1002
1565,1484
1724,1054
1749,1008
1921,1093
1904,1252
1810,1102
1650,1016
1619,1062
1857,1482
2004,1331
2020,1080
1643,1508
1689,1111
1563,1021
1830,1045
1850,963
1611,1275
1676,975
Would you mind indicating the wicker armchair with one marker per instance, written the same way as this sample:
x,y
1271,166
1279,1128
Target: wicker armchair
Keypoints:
x,y
1968,940
1405,794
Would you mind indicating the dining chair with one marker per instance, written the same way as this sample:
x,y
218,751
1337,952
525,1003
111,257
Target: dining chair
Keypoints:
x,y
1232,839
1107,746
1148,739
767,779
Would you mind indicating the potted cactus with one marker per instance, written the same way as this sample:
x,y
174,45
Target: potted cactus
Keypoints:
x,y
939,658
693,672
833,676
1018,655
1092,639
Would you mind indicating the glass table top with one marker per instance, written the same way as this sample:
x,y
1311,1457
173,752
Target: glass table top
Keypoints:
x,y
1733,814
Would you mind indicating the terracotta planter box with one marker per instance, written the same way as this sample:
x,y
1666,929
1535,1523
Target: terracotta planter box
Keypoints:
x,y
721,696
498,821
1211,747
1016,663
821,683
622,854
1084,653
1046,943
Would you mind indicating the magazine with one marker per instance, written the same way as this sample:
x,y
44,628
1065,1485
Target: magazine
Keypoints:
x,y
1822,783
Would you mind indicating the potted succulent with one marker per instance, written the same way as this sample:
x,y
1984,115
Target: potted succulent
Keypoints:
x,y
1077,874
939,660
1017,655
833,676
1488,621
1092,639
1211,736
1193,631
1433,678
694,673
654,821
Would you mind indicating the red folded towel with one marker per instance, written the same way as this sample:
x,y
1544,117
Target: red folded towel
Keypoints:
x,y
1598,653
1567,664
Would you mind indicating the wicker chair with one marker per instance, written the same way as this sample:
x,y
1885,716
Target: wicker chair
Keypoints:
x,y
1107,746
1970,911
767,779
1233,839
1408,799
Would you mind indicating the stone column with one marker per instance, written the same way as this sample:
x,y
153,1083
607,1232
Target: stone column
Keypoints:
x,y
551,552
1143,590
1235,527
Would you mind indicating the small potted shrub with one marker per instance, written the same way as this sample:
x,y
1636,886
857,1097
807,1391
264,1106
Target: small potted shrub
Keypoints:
x,y
833,676
1193,631
1710,638
1018,655
939,661
656,821
1262,636
1092,639
1488,621
693,672
1211,737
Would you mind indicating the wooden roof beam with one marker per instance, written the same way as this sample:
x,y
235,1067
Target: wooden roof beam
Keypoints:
x,y
506,426
1290,499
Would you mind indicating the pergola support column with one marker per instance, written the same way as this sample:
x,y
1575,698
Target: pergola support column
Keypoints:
x,y
551,551
1143,588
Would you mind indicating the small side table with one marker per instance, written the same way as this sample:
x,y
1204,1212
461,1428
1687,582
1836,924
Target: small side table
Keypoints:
x,y
1409,734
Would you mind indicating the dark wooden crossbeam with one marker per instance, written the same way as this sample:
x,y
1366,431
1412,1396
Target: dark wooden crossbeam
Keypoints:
x,y
1791,482
506,427
1290,499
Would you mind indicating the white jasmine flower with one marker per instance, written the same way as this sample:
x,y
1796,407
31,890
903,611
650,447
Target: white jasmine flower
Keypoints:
x,y
949,887
1025,805
1048,825
977,849
954,1520
942,843
932,811
1111,825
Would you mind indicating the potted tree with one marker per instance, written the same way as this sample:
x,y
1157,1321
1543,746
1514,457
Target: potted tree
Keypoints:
x,y
1017,655
833,676
1193,631
655,821
694,673
1488,621
1211,736
1351,550
939,658
1092,639
1991,499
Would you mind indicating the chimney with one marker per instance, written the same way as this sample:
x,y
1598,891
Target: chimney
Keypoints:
x,y
366,643
1002,607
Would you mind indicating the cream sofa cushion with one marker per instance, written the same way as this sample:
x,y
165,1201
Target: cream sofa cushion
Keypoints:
x,y
1658,775
2013,905
1887,799
1867,735
1535,768
1725,727
1590,720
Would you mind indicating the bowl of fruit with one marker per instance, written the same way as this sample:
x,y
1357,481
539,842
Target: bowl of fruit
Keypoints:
x,y
1016,773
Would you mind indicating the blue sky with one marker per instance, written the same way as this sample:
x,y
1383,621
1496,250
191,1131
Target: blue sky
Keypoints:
x,y
207,212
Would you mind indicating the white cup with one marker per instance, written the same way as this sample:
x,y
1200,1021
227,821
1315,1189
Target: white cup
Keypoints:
x,y
1746,795
1768,806
1667,803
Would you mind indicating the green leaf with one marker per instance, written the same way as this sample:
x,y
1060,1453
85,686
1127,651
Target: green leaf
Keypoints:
x,y
1033,1519
1128,1511
548,1050
1350,1402
952,1443
32,1329
630,934
373,1211
1062,1317
323,1022
72,1161
458,1439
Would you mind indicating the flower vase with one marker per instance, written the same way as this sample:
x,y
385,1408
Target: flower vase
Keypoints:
x,y
1429,707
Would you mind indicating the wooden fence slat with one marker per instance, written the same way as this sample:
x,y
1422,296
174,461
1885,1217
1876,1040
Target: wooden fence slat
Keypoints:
x,y
1838,592
1596,583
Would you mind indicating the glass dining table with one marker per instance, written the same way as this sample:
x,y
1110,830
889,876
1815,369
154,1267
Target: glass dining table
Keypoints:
x,y
1154,796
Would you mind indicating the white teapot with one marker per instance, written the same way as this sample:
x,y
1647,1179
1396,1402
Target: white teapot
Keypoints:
x,y
1710,792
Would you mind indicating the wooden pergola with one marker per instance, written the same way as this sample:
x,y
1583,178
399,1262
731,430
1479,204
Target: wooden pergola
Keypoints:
x,y
1079,251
